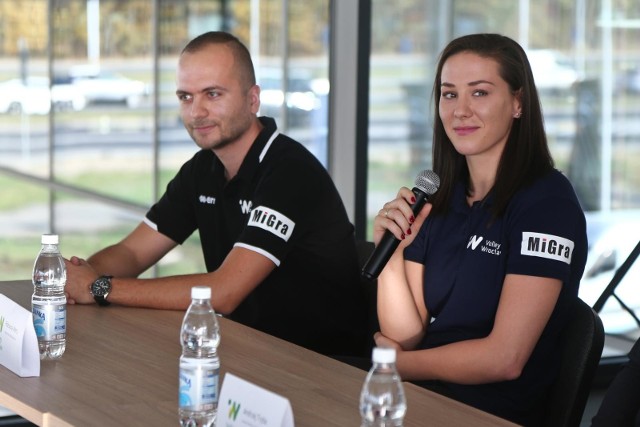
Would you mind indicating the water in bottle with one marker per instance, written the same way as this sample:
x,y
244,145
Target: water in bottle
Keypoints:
x,y
382,400
48,302
199,362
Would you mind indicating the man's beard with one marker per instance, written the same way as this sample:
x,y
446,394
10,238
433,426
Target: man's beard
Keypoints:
x,y
227,138
223,143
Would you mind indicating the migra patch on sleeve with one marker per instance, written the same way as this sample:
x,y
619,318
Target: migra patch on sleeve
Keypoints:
x,y
546,246
272,221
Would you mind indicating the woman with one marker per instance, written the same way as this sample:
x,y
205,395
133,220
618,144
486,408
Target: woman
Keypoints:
x,y
477,293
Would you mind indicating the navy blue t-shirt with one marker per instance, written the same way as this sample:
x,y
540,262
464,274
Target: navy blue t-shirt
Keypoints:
x,y
467,254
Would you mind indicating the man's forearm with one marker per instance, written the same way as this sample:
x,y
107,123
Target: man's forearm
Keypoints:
x,y
169,293
116,261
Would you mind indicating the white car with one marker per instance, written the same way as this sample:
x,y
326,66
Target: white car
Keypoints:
x,y
66,97
612,237
553,72
628,81
36,97
100,86
300,99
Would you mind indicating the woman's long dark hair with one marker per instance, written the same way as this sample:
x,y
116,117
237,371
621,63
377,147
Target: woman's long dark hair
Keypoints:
x,y
526,154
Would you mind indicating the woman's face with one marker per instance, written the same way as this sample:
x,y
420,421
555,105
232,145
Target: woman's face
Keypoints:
x,y
476,107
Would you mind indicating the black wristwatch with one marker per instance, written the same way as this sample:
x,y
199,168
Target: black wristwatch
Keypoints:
x,y
100,290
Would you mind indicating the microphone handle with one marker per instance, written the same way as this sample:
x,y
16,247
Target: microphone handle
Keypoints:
x,y
388,244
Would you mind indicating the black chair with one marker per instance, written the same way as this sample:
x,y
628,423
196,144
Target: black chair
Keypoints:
x,y
364,249
583,341
15,421
370,291
620,404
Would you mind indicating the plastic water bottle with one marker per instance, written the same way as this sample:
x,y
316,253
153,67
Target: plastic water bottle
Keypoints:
x,y
199,362
382,400
48,302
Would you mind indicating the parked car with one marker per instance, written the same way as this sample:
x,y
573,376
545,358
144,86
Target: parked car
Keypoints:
x,y
300,99
628,81
553,72
612,237
102,86
36,97
66,97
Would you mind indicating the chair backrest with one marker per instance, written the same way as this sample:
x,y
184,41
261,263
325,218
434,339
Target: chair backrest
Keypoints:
x,y
582,344
364,249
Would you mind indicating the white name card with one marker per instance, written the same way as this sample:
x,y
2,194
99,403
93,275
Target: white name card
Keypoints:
x,y
18,342
248,405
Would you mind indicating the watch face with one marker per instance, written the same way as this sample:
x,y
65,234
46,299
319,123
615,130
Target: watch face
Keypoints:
x,y
101,287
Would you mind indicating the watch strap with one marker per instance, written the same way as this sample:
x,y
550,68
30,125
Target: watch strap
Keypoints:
x,y
101,300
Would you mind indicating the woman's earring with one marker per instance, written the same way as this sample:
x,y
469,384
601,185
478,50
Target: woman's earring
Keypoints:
x,y
517,115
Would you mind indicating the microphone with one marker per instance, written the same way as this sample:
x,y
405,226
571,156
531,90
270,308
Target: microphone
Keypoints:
x,y
427,183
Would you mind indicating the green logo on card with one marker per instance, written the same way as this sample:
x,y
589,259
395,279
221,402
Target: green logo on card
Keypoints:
x,y
234,408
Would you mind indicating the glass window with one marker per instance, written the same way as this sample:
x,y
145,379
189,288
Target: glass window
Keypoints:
x,y
20,239
292,68
25,99
95,118
103,139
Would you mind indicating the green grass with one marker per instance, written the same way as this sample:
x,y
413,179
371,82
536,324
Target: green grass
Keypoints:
x,y
130,186
17,193
18,252
133,187
17,256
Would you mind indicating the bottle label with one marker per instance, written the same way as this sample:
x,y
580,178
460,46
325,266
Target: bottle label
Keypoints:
x,y
198,387
50,321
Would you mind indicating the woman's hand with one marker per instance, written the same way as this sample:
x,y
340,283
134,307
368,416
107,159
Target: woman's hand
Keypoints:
x,y
397,217
401,307
382,341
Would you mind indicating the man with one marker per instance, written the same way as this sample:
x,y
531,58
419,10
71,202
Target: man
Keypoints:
x,y
278,246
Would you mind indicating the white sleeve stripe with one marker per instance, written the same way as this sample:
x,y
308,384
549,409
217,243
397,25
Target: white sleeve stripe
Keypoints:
x,y
261,251
150,223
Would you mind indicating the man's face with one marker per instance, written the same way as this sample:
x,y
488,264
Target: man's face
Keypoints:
x,y
217,107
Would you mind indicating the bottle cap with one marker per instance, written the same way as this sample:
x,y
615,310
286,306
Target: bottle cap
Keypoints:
x,y
49,239
200,292
384,355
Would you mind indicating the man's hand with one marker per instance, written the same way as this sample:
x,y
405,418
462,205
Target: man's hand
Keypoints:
x,y
80,276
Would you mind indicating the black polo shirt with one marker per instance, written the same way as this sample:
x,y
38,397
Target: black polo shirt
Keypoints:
x,y
283,205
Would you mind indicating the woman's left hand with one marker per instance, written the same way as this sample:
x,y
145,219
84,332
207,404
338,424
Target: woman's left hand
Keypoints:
x,y
382,341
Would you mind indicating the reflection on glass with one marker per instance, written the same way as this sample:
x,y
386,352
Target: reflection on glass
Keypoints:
x,y
292,69
23,218
106,146
613,236
25,99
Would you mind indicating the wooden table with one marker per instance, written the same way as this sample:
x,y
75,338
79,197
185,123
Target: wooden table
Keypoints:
x,y
121,368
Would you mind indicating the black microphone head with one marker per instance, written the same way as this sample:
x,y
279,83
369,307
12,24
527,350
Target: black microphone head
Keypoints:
x,y
428,181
